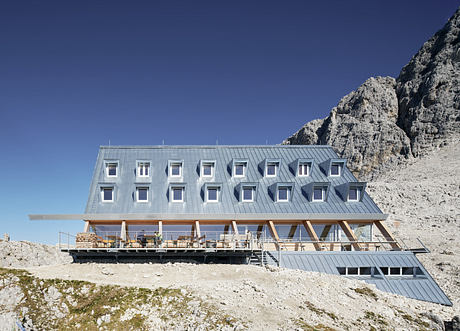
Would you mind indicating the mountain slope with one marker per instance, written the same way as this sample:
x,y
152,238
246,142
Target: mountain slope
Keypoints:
x,y
386,121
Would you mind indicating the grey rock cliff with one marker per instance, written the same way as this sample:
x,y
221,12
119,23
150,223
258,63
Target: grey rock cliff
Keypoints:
x,y
386,121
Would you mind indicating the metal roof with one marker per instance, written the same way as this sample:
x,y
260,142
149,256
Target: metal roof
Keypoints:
x,y
158,182
421,287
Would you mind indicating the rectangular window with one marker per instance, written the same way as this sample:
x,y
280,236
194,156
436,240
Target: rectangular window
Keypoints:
x,y
353,194
304,169
318,194
335,169
178,194
248,194
207,170
395,271
143,169
142,194
283,194
271,169
111,169
107,194
176,169
384,270
240,169
212,194
352,271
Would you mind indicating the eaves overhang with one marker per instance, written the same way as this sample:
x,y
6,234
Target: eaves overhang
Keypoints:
x,y
223,217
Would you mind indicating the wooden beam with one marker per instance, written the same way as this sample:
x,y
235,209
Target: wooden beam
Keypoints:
x,y
325,232
387,234
274,234
350,235
260,228
86,229
292,231
235,231
311,232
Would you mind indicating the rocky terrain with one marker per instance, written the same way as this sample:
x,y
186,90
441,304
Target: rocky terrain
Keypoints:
x,y
387,121
20,254
202,297
422,198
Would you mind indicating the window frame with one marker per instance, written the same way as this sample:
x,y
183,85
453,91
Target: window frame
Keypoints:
x,y
137,194
173,189
339,167
108,164
103,194
173,164
276,166
303,166
323,193
143,165
358,194
288,194
205,164
244,165
250,188
208,189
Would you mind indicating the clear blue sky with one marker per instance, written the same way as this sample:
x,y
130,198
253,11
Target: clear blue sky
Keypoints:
x,y
76,74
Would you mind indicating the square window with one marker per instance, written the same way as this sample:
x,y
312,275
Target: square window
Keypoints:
x,y
177,194
395,271
271,169
240,169
142,194
107,194
283,194
318,194
335,169
143,169
248,194
365,271
176,169
304,169
207,170
352,271
384,270
111,169
353,194
212,194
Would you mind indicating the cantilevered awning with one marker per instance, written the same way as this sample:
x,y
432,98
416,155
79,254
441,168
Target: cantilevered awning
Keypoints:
x,y
217,217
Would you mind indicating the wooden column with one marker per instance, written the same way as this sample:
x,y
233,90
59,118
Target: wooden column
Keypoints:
x,y
197,229
311,232
160,228
274,234
387,234
235,231
123,230
350,235
86,229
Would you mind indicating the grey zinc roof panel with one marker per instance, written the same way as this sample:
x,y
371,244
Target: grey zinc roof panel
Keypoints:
x,y
421,288
125,182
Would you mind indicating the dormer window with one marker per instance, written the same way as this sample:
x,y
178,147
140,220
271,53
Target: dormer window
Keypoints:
x,y
107,194
353,194
175,169
336,169
304,169
318,193
239,169
142,194
248,193
283,194
143,169
111,169
271,168
177,194
207,169
212,194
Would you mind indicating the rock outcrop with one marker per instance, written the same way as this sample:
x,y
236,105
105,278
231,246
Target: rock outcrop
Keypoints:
x,y
21,254
386,121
